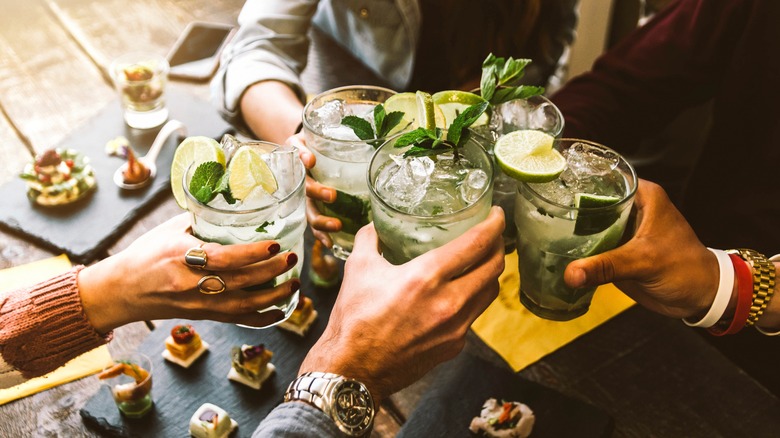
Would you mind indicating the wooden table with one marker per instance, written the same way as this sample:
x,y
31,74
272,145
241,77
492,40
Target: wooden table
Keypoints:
x,y
653,375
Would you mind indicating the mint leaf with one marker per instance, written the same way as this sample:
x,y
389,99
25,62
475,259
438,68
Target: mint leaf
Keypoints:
x,y
464,120
379,118
362,128
222,187
414,137
263,227
521,92
390,121
500,78
352,211
203,184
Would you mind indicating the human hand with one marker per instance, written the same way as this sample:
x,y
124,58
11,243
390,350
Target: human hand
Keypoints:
x,y
320,224
392,324
149,280
664,266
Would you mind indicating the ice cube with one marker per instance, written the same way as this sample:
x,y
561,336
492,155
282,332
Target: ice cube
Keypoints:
x,y
437,201
229,145
328,115
257,198
473,186
340,132
403,182
586,160
220,203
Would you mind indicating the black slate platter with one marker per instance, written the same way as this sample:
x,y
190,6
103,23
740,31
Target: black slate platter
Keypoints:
x,y
178,392
463,384
85,228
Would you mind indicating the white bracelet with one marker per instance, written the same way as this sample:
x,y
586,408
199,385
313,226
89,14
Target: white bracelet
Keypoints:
x,y
723,296
774,258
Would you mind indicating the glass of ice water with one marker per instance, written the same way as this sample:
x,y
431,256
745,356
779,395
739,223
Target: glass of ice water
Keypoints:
x,y
536,113
342,158
140,79
422,203
581,213
280,216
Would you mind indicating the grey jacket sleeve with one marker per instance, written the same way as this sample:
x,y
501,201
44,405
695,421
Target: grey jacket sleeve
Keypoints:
x,y
297,420
270,44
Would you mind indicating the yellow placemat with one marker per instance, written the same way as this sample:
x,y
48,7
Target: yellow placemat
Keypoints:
x,y
522,338
84,365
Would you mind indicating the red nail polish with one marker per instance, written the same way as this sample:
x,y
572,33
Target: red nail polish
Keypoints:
x,y
292,259
274,248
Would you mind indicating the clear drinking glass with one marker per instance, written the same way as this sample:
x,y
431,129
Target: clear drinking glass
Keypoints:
x,y
280,216
423,203
535,113
581,213
131,385
342,158
140,79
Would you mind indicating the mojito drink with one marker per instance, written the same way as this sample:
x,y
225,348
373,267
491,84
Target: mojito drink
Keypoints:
x,y
261,213
342,157
582,212
421,203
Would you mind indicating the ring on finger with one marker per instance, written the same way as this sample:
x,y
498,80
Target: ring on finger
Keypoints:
x,y
196,257
205,288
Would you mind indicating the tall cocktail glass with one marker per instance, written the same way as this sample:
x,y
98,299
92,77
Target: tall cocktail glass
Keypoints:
x,y
280,216
422,203
535,113
342,158
581,213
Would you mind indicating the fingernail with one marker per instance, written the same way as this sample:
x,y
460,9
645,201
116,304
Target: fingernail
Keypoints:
x,y
332,225
274,248
295,284
292,259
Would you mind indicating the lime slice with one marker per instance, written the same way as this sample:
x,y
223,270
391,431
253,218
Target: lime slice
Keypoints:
x,y
248,170
589,200
454,102
528,156
192,150
407,104
592,222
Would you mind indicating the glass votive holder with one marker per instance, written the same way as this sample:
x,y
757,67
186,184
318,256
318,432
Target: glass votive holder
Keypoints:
x,y
140,79
130,381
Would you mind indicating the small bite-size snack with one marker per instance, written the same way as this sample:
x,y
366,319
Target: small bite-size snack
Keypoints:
x,y
302,317
131,386
251,365
184,345
135,172
211,421
58,177
503,419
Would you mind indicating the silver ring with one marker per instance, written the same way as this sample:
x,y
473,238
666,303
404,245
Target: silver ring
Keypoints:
x,y
196,257
211,291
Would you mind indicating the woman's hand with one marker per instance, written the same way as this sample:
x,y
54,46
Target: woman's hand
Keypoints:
x,y
391,324
320,224
150,280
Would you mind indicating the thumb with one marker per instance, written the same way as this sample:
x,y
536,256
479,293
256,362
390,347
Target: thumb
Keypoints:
x,y
608,267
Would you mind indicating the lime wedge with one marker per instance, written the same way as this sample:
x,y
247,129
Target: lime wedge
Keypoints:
x,y
592,222
192,150
589,200
528,156
407,103
248,170
454,102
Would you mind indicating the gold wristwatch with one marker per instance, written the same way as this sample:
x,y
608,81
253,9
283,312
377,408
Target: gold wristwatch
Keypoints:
x,y
346,401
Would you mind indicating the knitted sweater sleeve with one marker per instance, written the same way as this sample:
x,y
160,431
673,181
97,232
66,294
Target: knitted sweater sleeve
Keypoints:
x,y
42,327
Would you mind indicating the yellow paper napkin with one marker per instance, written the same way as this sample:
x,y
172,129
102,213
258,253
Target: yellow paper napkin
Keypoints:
x,y
84,365
522,338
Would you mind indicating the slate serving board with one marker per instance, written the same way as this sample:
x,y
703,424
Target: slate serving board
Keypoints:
x,y
178,392
463,384
85,228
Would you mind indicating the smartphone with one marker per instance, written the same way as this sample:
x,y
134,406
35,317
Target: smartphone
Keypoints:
x,y
195,56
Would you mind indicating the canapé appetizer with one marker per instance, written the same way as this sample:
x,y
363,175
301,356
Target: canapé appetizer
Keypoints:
x,y
505,419
58,177
211,421
251,365
302,317
184,345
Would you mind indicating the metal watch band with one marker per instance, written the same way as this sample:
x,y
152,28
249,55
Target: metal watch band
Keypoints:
x,y
763,281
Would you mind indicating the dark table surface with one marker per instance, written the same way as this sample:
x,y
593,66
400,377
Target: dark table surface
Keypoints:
x,y
652,375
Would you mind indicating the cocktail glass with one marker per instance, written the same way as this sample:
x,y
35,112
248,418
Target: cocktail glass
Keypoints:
x,y
581,213
535,113
280,216
140,79
419,204
342,158
132,385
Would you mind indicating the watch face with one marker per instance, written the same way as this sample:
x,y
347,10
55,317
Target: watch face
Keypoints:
x,y
353,407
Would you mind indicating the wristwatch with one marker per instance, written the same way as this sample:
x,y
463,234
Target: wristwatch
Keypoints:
x,y
346,401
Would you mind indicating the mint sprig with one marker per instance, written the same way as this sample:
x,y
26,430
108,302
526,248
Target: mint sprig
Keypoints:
x,y
500,78
384,122
209,180
427,142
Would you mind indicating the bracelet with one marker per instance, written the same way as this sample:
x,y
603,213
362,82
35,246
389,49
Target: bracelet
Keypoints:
x,y
775,258
722,296
763,281
744,299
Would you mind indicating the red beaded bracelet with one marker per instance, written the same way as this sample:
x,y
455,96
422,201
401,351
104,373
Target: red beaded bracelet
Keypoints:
x,y
744,298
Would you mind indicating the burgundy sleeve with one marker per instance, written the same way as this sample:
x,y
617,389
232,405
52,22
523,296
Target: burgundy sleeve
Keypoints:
x,y
44,326
675,61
